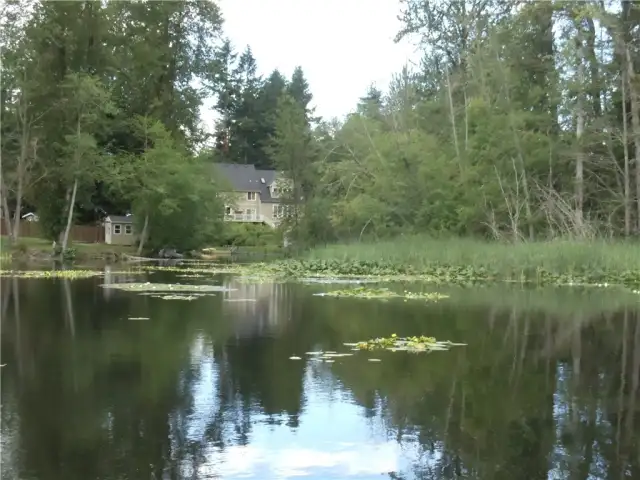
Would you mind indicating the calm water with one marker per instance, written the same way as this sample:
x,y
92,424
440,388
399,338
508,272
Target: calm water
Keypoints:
x,y
546,388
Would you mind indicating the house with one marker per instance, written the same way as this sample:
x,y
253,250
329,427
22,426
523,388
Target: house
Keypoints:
x,y
256,195
119,230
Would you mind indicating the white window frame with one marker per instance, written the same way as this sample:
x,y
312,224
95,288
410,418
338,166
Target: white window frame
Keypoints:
x,y
251,213
128,229
279,211
252,196
274,192
228,210
117,229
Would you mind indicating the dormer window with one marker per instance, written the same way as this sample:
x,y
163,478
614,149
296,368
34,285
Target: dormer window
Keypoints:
x,y
274,192
251,196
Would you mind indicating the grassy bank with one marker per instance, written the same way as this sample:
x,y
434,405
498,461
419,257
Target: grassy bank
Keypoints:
x,y
545,262
38,248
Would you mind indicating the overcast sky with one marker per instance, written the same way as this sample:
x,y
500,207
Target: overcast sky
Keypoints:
x,y
343,46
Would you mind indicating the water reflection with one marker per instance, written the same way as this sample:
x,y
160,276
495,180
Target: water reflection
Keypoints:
x,y
257,308
205,389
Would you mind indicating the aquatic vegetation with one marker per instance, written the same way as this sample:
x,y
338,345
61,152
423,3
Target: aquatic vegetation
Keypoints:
x,y
197,268
326,357
408,344
166,287
365,292
68,274
176,297
348,281
467,261
354,270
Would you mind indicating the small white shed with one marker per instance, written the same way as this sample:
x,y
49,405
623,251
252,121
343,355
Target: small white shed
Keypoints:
x,y
119,230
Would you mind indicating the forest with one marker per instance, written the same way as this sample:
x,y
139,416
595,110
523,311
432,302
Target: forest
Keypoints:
x,y
521,122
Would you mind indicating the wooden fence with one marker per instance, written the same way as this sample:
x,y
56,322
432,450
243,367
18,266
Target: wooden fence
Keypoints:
x,y
78,233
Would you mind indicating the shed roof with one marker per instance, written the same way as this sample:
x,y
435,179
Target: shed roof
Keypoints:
x,y
119,219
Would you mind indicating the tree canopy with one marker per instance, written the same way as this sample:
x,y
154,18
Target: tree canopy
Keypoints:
x,y
521,122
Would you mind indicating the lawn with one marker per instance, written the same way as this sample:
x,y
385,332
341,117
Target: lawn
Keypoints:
x,y
32,245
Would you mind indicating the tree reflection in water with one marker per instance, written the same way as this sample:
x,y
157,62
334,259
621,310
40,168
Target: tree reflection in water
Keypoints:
x,y
539,392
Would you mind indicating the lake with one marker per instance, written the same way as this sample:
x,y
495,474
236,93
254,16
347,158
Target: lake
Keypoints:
x,y
547,386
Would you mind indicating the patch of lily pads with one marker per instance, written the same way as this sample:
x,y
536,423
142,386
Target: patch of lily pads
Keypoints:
x,y
384,293
327,357
339,281
357,271
414,344
147,287
421,344
68,274
177,297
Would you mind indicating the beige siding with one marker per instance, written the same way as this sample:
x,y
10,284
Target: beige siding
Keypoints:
x,y
240,202
122,238
267,211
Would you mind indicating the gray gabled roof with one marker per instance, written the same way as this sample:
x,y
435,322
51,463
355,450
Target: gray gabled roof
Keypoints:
x,y
265,194
246,178
119,219
241,177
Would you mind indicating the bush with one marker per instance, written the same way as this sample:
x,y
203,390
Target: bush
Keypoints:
x,y
250,235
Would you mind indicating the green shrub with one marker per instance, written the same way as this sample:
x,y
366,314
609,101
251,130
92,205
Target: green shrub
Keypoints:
x,y
250,235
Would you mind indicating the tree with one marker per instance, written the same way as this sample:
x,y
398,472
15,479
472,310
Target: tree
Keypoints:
x,y
85,103
298,89
172,194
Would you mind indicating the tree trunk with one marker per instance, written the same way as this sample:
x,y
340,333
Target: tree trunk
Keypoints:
x,y
21,169
6,215
143,235
580,126
453,116
15,231
627,169
72,201
635,125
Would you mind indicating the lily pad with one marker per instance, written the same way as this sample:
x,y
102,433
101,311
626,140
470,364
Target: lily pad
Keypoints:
x,y
295,358
166,287
356,281
138,318
176,297
383,293
408,344
69,274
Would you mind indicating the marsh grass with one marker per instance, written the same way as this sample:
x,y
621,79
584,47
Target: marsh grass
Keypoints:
x,y
558,256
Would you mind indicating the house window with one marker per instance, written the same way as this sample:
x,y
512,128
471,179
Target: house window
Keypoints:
x,y
274,192
227,210
128,229
251,196
279,211
250,213
117,229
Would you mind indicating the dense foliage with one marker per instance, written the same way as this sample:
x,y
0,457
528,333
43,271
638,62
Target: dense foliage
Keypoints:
x,y
521,122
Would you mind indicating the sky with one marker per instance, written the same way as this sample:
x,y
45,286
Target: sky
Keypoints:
x,y
342,46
